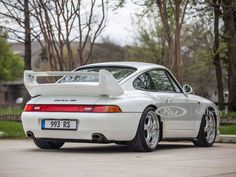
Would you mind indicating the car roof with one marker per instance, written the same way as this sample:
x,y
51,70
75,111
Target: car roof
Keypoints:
x,y
137,65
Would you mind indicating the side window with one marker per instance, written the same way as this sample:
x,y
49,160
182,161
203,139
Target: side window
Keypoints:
x,y
144,82
161,80
177,89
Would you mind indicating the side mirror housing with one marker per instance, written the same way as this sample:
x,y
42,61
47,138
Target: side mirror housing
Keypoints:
x,y
187,89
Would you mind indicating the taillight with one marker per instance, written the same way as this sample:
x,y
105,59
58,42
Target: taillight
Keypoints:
x,y
29,107
71,108
106,109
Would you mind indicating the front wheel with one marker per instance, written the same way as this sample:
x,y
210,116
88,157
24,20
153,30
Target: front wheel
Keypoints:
x,y
208,130
148,133
48,144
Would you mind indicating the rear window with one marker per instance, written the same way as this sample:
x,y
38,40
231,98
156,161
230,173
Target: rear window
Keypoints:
x,y
119,73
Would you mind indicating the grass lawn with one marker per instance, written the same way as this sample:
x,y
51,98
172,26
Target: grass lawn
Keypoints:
x,y
228,114
228,129
12,129
10,111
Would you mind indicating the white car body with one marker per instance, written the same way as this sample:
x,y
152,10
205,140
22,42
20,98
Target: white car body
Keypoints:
x,y
114,127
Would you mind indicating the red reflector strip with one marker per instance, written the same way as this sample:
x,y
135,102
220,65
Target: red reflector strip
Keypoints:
x,y
71,108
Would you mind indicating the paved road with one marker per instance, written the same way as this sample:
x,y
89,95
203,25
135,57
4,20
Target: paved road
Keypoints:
x,y
20,158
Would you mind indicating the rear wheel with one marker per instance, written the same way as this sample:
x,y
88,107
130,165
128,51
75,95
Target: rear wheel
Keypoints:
x,y
208,130
48,144
148,133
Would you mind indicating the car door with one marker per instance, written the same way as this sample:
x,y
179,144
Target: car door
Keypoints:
x,y
174,107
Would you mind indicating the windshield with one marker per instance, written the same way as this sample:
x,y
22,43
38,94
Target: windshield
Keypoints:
x,y
119,73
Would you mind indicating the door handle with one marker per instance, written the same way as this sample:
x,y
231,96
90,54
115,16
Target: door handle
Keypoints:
x,y
167,100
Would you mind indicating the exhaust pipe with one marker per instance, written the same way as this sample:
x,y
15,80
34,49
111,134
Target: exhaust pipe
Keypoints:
x,y
30,134
98,137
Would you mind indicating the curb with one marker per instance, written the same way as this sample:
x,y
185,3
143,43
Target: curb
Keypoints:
x,y
13,117
226,139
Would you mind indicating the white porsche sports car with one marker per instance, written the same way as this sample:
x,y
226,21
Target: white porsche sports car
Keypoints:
x,y
133,103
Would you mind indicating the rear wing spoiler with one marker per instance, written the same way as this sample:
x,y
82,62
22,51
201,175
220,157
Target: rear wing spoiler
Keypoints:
x,y
107,84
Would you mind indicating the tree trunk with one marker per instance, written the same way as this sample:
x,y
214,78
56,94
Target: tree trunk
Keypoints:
x,y
27,57
229,15
178,63
216,57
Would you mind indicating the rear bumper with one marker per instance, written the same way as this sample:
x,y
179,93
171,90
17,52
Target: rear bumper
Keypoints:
x,y
114,126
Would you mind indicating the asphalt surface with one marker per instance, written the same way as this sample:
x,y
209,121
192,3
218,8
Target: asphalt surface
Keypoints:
x,y
20,158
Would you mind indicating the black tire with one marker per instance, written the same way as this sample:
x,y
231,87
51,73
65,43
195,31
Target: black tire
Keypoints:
x,y
139,144
48,144
201,140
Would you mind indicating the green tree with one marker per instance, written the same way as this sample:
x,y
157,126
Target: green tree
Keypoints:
x,y
149,47
229,18
210,12
11,65
172,14
216,56
197,47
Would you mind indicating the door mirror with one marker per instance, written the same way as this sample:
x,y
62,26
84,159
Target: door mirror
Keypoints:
x,y
187,89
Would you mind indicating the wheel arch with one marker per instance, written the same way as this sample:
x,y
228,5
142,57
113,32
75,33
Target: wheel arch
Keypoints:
x,y
151,105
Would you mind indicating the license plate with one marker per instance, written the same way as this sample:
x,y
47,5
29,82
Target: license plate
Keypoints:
x,y
55,124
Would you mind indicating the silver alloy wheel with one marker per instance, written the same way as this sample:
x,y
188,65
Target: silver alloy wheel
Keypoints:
x,y
151,129
210,127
